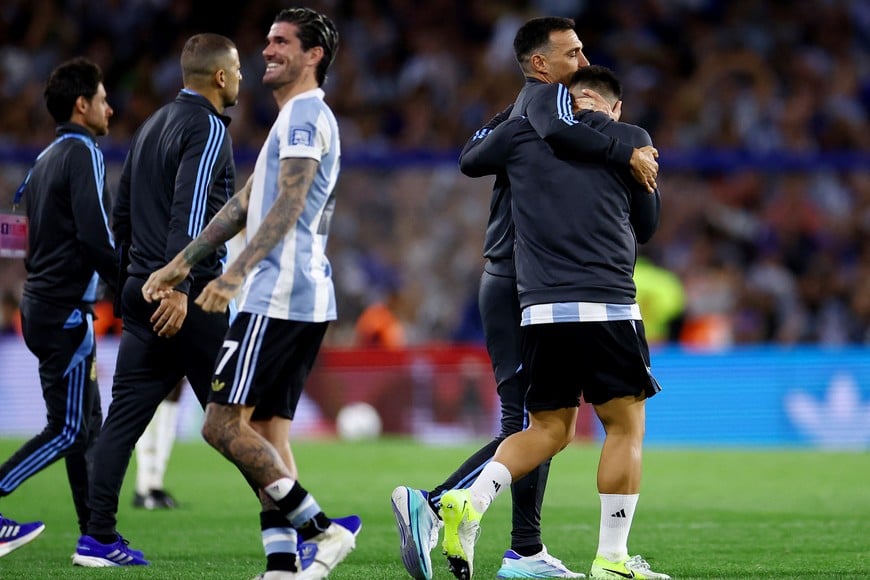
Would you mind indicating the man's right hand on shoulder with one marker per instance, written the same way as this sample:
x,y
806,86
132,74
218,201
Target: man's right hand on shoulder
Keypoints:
x,y
644,167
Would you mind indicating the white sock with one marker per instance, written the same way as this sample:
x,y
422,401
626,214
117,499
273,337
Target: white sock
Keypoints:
x,y
617,512
279,488
146,454
166,418
492,481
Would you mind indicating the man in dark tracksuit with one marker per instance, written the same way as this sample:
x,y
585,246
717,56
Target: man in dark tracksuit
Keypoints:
x,y
178,174
577,228
547,103
70,246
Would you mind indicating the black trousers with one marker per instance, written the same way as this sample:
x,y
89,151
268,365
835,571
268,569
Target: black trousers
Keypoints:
x,y
500,312
63,341
147,369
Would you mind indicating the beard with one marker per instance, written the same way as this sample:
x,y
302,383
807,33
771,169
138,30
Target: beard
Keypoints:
x,y
287,76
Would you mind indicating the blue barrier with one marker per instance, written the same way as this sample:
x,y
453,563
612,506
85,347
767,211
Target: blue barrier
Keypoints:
x,y
694,160
762,396
745,397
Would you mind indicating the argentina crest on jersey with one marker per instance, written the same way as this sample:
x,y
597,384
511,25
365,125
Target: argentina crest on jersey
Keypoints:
x,y
301,136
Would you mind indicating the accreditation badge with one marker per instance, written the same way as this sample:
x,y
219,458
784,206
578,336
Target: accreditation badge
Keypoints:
x,y
13,235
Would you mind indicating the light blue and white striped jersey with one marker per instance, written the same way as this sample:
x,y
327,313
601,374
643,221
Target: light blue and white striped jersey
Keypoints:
x,y
294,282
578,312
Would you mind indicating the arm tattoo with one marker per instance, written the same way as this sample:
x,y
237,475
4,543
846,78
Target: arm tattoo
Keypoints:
x,y
294,181
224,225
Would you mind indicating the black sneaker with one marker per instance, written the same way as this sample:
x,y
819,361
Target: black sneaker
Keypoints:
x,y
157,499
163,500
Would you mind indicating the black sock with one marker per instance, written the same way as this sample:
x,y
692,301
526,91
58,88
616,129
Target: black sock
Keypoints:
x,y
314,527
292,500
105,538
529,550
432,504
276,560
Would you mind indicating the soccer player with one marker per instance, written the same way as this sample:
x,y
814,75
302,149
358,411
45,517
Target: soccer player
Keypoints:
x,y
70,246
548,52
178,173
287,296
577,224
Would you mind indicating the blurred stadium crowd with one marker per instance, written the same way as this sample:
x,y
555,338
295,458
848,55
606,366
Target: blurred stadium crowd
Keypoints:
x,y
770,243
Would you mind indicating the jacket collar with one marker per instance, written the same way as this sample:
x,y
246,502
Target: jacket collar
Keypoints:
x,y
190,96
70,127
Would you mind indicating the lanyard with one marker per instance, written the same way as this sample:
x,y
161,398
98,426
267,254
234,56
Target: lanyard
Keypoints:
x,y
19,193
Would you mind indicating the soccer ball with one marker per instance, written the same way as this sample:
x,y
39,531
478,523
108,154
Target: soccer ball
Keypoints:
x,y
358,422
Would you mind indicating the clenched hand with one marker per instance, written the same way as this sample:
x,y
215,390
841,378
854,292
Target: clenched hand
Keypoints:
x,y
216,296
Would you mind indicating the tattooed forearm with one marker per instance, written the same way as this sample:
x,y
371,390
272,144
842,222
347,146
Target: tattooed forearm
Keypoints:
x,y
224,225
294,181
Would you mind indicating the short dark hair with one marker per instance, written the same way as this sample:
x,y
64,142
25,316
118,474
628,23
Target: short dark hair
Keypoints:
x,y
315,29
204,54
74,78
535,35
600,79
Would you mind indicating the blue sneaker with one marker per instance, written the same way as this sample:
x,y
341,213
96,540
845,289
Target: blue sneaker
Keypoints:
x,y
353,524
92,554
14,535
418,530
541,565
318,556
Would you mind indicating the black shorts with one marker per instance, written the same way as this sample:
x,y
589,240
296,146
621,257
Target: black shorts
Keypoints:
x,y
598,360
264,362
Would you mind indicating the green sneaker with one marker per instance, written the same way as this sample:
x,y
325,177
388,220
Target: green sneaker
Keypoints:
x,y
461,530
634,567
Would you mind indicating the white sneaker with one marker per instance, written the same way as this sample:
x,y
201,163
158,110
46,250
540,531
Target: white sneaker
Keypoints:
x,y
541,565
418,529
276,575
333,546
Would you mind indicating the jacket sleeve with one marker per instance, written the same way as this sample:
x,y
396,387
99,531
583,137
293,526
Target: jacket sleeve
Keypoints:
x,y
123,230
199,153
89,196
121,211
645,207
550,112
470,162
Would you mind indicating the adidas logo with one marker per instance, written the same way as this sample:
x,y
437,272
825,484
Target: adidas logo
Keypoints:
x,y
496,485
307,554
119,557
619,514
9,531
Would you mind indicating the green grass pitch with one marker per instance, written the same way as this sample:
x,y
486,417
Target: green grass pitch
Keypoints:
x,y
702,513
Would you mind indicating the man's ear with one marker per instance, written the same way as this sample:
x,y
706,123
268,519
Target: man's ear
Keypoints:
x,y
316,54
617,110
538,63
220,78
81,105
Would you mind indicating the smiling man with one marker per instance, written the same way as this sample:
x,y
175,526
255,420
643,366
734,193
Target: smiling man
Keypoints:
x,y
287,297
